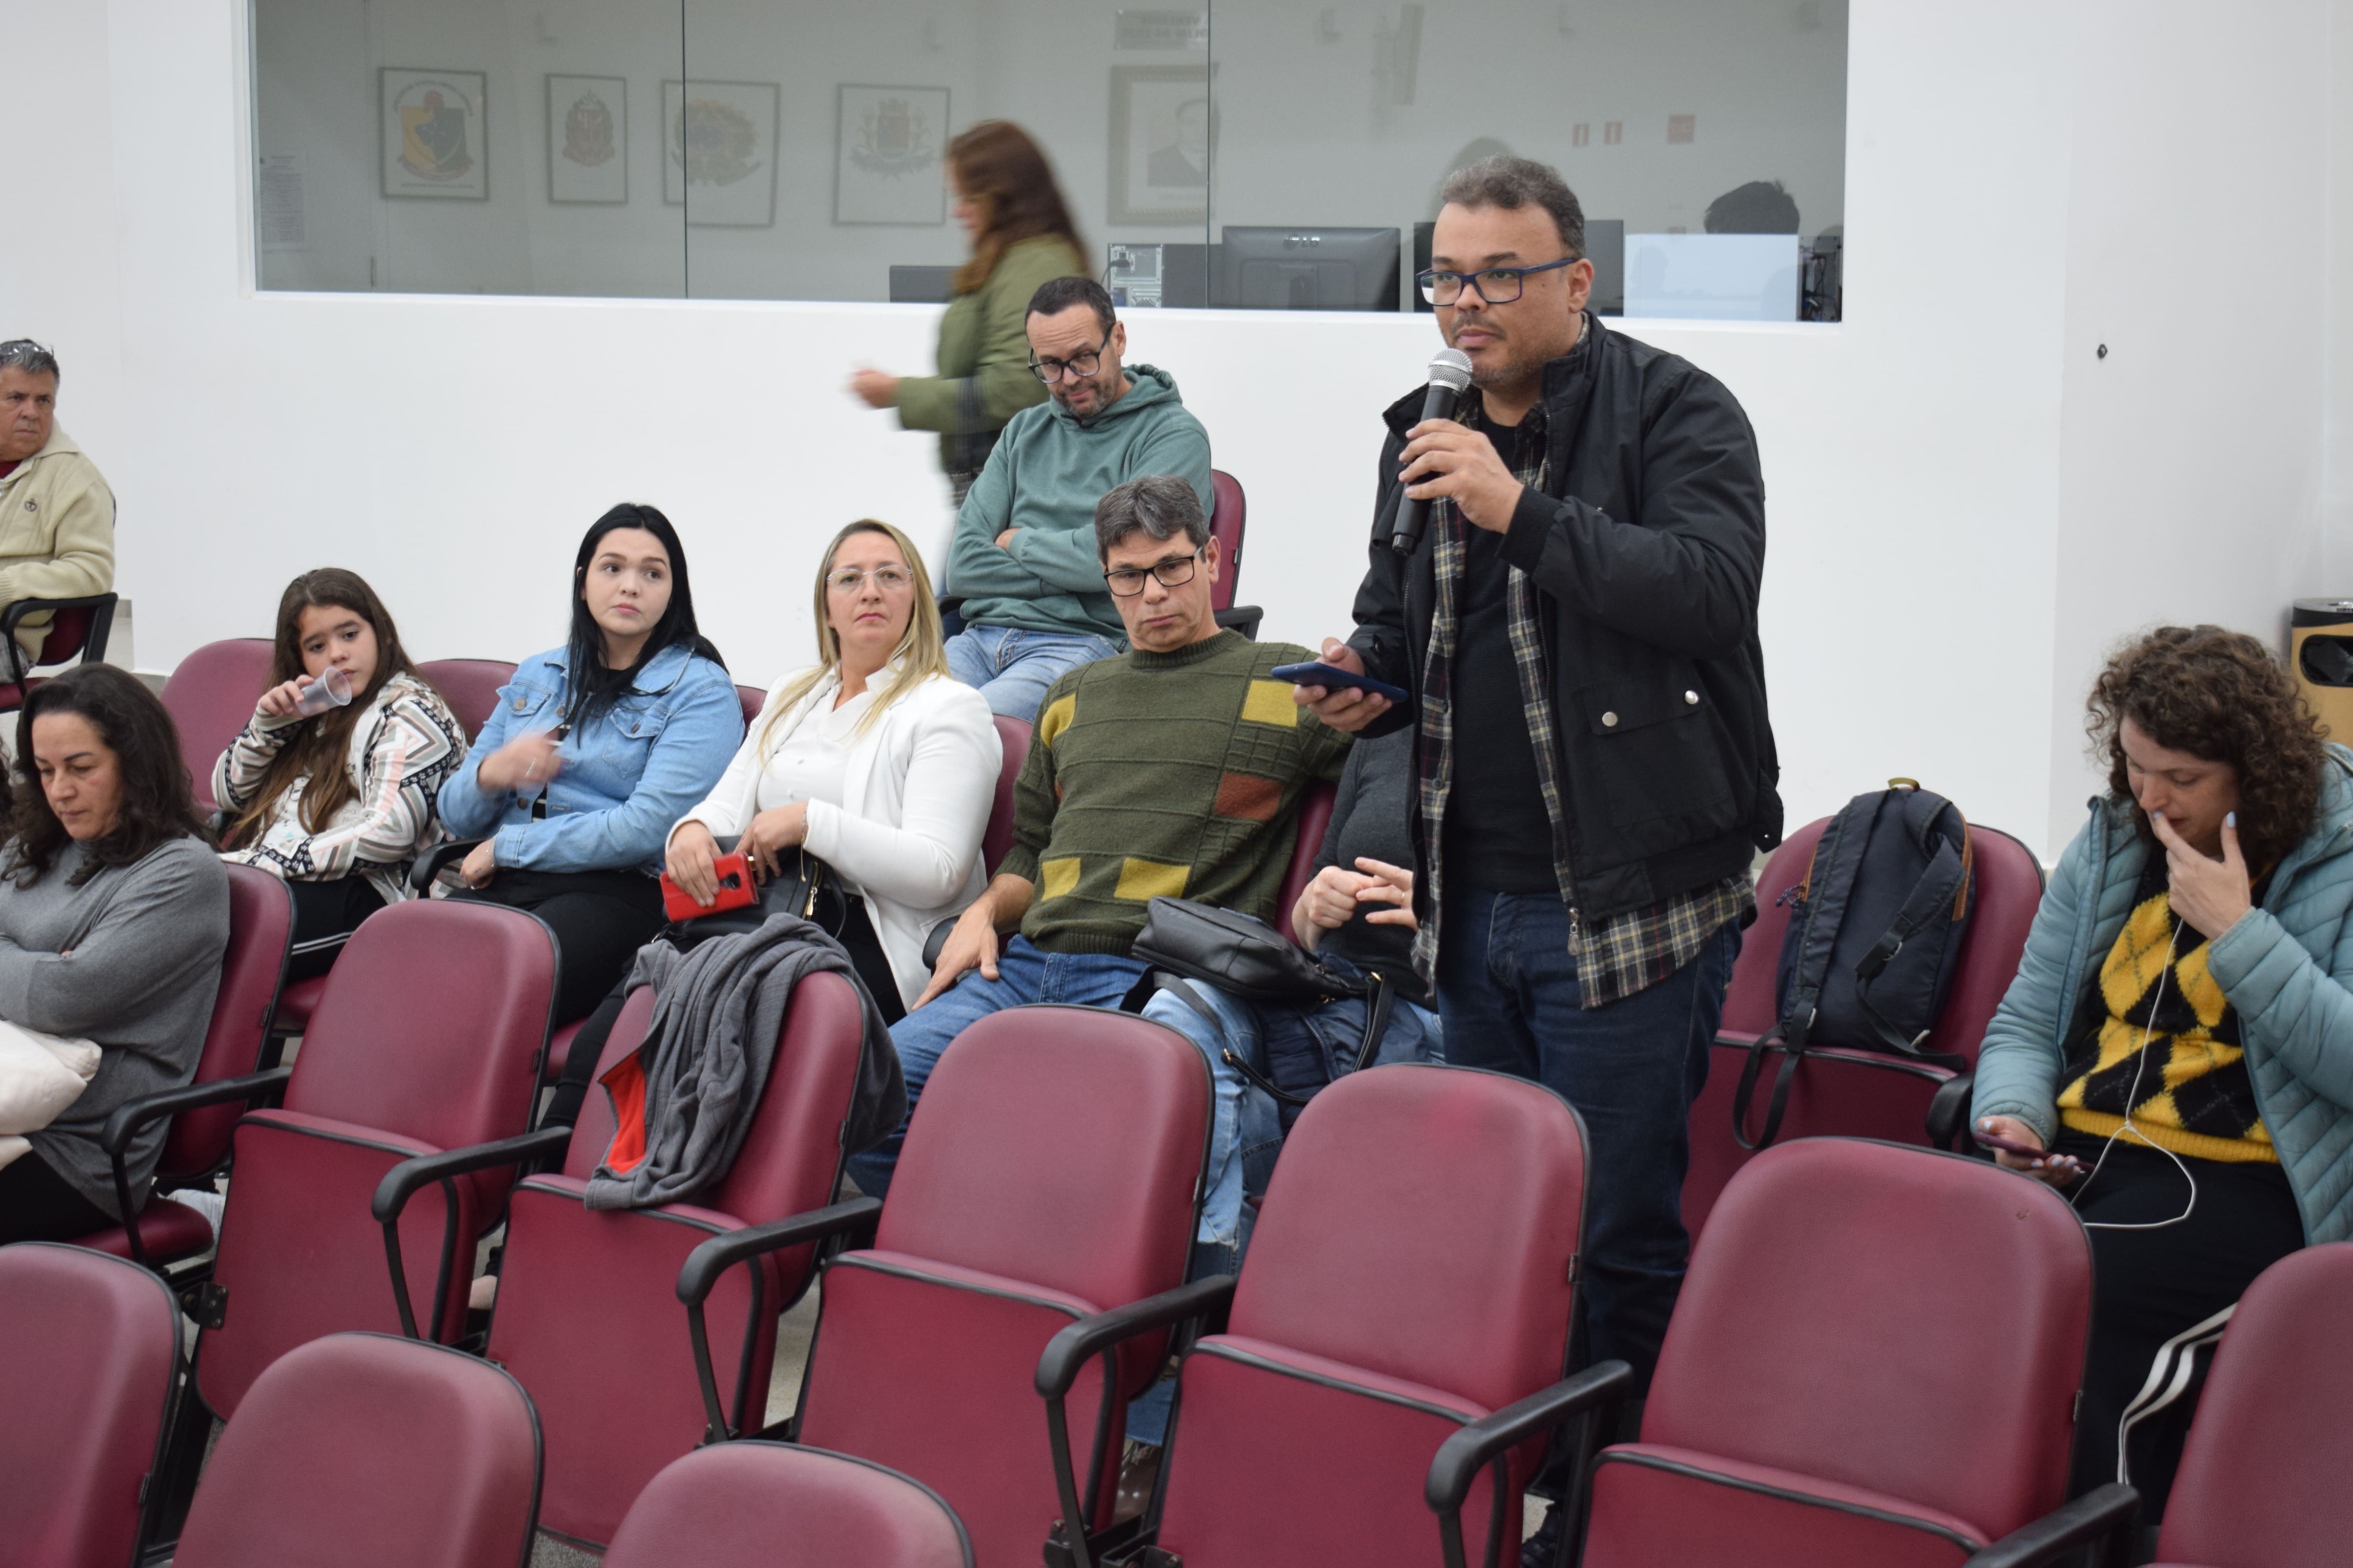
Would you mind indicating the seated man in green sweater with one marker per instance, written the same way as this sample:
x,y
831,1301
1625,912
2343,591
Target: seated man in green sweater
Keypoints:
x,y
1174,768
1023,557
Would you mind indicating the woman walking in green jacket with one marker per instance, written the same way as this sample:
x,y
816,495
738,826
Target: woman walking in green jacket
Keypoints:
x,y
1022,236
2179,1041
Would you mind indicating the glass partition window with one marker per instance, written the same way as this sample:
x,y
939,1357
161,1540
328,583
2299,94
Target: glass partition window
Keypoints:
x,y
1245,154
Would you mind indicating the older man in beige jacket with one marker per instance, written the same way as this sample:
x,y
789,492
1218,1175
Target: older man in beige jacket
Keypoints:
x,y
56,516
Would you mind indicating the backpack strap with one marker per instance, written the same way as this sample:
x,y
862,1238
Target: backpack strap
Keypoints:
x,y
1376,1018
1176,985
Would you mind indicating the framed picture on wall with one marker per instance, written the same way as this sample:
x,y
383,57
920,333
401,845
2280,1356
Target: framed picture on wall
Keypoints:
x,y
430,122
1162,135
588,140
719,152
886,160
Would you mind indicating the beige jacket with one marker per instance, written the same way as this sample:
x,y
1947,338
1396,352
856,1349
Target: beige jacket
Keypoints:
x,y
57,533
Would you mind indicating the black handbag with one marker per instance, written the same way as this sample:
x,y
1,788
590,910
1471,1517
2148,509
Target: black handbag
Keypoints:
x,y
804,887
1183,942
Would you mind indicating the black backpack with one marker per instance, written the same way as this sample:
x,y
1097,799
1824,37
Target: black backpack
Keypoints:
x,y
1875,929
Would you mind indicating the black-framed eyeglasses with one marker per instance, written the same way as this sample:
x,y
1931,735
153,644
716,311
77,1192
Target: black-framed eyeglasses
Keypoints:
x,y
1496,285
1127,582
1050,371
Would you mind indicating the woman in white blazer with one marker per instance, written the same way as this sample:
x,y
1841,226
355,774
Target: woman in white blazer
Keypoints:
x,y
875,760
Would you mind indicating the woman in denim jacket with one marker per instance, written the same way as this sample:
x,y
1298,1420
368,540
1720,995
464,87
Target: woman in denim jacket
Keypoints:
x,y
595,750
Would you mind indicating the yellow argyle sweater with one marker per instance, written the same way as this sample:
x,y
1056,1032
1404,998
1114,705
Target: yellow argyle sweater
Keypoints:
x,y
1175,773
2195,1097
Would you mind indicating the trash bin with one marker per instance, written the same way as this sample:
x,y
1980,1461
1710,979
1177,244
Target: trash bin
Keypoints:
x,y
2320,651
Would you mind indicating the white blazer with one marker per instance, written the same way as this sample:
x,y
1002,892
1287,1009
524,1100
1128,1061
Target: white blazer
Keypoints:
x,y
917,795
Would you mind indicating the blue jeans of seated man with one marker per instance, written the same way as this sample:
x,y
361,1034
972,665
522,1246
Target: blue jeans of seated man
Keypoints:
x,y
1250,1129
1025,974
1014,668
1507,989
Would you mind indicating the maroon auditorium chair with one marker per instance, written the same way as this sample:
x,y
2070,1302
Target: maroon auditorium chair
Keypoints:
x,y
1052,1172
470,686
78,633
772,1505
1227,519
583,1288
210,698
428,1038
1013,735
1412,1275
1848,1092
1873,1364
367,1451
204,1113
753,700
89,1351
2261,1482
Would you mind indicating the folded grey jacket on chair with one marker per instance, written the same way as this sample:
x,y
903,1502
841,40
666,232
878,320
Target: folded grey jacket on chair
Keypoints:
x,y
719,1010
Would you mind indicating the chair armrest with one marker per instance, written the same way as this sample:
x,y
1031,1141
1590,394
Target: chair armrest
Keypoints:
x,y
936,942
434,861
1738,1039
93,647
1242,619
1948,1115
125,1121
2103,1516
1066,1352
402,1182
1486,1441
1058,1373
707,1262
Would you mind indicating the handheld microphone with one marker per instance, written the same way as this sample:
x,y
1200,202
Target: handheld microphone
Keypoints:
x,y
1449,373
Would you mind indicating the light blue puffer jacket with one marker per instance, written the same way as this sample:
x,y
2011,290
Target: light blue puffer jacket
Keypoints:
x,y
2286,966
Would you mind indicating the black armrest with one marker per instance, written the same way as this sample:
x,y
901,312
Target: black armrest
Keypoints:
x,y
2105,1515
402,1182
707,1262
126,1119
1242,619
1058,1373
936,943
1948,1114
431,864
1486,1442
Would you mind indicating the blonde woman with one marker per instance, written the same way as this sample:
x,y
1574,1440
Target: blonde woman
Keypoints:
x,y
875,761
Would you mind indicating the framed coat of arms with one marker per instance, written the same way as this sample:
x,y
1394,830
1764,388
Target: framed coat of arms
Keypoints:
x,y
587,139
431,127
719,152
888,143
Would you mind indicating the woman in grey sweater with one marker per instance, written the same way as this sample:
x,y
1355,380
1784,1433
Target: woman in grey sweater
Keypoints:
x,y
114,918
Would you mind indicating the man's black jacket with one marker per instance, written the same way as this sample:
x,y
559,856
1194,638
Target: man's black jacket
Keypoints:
x,y
1648,548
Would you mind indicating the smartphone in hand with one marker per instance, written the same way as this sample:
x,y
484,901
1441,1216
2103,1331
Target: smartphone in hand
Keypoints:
x,y
2023,1150
1333,677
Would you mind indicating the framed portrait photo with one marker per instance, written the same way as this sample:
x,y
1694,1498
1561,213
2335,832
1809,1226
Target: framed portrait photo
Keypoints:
x,y
719,152
588,140
1162,136
887,147
430,122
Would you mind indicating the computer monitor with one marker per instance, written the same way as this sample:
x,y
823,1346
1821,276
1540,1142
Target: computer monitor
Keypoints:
x,y
1265,268
1605,246
922,285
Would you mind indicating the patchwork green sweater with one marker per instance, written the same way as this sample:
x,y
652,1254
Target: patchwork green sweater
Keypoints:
x,y
1175,773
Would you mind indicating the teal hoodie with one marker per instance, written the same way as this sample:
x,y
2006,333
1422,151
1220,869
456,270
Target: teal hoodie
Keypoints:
x,y
1045,477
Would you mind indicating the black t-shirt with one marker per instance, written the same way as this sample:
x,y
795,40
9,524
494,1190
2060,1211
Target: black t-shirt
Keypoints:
x,y
1498,835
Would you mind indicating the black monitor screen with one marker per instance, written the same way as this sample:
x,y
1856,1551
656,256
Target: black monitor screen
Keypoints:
x,y
1263,269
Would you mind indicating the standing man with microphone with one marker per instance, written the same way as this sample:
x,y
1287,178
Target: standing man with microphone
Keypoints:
x,y
1576,622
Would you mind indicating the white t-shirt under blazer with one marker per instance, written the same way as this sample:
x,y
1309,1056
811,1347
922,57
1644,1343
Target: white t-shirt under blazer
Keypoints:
x,y
898,811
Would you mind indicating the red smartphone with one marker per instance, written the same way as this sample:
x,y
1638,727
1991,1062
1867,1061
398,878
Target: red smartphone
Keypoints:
x,y
736,890
2024,1150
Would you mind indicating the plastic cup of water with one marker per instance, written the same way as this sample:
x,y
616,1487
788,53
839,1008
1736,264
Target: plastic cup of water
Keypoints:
x,y
329,689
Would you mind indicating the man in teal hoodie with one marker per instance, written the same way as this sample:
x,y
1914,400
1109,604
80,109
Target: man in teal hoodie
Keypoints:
x,y
1023,558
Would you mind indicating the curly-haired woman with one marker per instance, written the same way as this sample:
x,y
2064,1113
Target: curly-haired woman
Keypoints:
x,y
2180,1037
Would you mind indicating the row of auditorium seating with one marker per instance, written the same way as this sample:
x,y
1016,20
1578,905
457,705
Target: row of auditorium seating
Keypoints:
x,y
1873,1362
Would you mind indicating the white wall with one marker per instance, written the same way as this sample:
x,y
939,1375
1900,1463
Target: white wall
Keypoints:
x,y
1947,479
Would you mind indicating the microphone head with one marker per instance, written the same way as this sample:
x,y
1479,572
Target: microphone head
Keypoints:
x,y
1450,367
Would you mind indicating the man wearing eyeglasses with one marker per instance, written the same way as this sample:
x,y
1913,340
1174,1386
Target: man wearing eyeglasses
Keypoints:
x,y
1595,766
1022,561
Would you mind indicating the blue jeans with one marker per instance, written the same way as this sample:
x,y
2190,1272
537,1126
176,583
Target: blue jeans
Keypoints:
x,y
1014,668
1507,989
1024,976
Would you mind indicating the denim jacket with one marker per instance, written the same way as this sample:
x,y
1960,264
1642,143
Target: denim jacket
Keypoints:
x,y
624,780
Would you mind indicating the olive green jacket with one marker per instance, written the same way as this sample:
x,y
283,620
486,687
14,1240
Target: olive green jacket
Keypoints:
x,y
985,377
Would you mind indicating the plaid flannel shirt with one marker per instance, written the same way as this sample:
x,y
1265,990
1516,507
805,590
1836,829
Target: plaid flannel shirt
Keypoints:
x,y
1626,952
